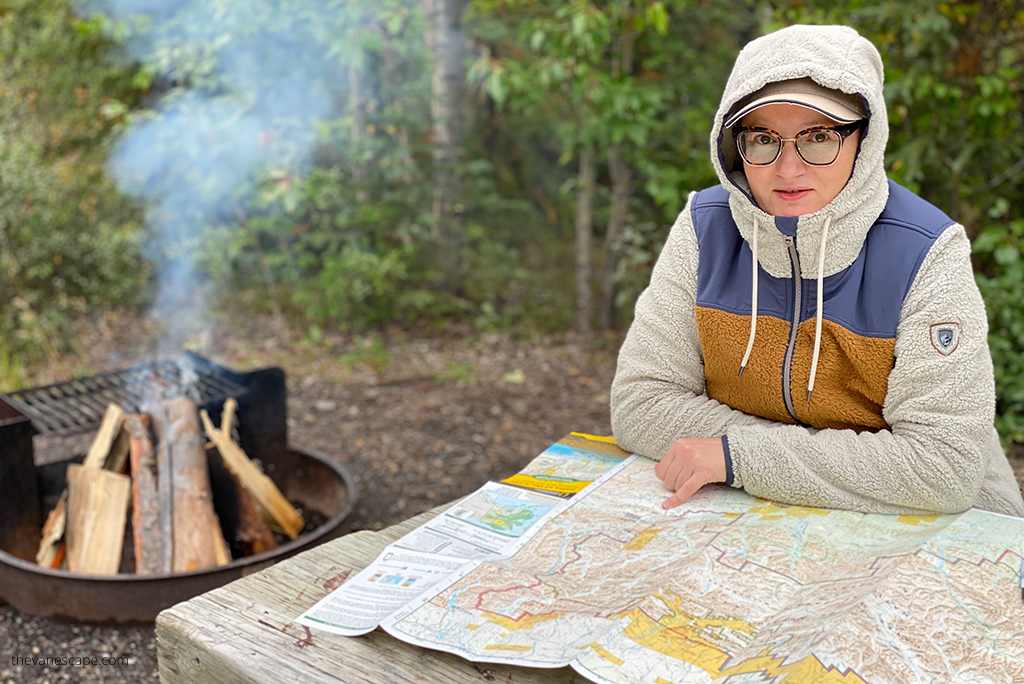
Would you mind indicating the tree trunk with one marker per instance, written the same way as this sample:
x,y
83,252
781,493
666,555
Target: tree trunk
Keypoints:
x,y
622,187
392,82
445,39
584,232
355,88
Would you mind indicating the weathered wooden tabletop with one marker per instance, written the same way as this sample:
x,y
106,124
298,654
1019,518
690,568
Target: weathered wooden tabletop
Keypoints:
x,y
244,632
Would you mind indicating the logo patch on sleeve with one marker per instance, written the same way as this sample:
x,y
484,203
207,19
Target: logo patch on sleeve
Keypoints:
x,y
945,337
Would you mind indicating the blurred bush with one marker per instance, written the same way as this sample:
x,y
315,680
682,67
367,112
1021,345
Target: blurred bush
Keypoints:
x,y
67,237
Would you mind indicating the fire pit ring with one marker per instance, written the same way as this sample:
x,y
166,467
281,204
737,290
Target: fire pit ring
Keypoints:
x,y
78,597
308,479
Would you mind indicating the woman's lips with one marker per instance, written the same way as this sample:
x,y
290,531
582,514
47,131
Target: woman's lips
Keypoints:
x,y
792,194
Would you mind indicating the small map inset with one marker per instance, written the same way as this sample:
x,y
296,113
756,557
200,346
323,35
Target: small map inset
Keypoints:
x,y
498,513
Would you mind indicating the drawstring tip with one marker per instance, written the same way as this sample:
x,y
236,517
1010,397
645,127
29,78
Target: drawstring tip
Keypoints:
x,y
740,374
808,396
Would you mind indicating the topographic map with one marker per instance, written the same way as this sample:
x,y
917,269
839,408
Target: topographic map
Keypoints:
x,y
736,589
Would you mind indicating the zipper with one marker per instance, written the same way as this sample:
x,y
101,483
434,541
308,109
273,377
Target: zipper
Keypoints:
x,y
787,364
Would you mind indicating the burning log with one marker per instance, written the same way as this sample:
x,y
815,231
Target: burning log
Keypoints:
x,y
149,542
117,459
97,513
264,492
196,541
105,449
51,546
102,450
253,535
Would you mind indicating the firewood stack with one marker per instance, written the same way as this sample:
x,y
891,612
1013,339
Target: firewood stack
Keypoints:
x,y
154,466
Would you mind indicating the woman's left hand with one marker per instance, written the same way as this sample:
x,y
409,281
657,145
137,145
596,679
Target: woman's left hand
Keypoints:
x,y
689,465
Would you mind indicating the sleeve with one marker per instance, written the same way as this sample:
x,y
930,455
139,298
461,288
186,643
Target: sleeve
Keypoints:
x,y
658,393
940,405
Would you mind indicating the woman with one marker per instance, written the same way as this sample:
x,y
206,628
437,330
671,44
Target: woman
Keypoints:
x,y
812,332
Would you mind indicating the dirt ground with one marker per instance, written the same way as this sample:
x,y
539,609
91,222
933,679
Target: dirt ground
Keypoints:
x,y
418,421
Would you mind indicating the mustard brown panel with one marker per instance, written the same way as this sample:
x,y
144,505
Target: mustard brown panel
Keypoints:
x,y
851,381
723,339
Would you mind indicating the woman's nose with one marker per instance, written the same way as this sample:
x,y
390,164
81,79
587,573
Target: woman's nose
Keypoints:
x,y
789,163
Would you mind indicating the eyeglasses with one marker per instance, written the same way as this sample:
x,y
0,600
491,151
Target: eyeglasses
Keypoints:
x,y
818,146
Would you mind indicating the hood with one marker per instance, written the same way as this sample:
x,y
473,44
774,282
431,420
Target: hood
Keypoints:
x,y
835,57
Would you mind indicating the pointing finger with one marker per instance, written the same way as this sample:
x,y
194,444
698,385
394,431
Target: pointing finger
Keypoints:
x,y
688,489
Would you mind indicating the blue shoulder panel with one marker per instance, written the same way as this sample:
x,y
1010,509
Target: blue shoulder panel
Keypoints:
x,y
865,298
723,274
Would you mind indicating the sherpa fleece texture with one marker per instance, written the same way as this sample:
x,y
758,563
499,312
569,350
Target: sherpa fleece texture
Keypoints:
x,y
937,449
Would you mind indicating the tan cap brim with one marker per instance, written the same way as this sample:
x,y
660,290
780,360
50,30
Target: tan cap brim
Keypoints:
x,y
804,92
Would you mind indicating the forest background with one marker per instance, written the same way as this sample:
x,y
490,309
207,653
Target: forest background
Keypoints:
x,y
501,165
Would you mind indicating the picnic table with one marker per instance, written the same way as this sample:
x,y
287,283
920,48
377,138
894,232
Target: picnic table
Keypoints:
x,y
244,632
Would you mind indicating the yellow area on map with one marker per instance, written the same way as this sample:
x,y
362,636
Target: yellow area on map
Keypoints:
x,y
605,445
603,652
685,637
808,670
596,438
769,510
526,622
546,484
682,635
499,647
643,539
917,519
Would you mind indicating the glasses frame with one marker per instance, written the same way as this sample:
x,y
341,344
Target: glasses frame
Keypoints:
x,y
844,131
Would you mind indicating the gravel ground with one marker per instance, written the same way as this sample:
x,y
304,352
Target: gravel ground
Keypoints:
x,y
417,422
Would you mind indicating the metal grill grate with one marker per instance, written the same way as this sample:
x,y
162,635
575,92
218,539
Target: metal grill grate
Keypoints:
x,y
78,405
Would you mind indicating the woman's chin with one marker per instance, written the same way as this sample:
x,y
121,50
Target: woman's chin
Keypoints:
x,y
778,207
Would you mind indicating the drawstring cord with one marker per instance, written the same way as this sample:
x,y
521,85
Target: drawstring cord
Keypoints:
x,y
818,317
753,297
817,325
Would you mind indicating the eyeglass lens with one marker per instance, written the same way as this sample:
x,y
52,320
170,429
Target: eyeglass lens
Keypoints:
x,y
820,147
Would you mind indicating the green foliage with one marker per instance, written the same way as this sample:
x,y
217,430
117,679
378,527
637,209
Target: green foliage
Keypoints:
x,y
1002,285
640,74
67,238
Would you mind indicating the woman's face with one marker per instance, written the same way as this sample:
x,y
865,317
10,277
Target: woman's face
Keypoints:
x,y
791,186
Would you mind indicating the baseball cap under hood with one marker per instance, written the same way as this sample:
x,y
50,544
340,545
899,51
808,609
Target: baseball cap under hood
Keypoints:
x,y
836,58
803,92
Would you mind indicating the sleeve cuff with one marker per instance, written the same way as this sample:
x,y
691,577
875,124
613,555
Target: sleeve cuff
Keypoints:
x,y
728,460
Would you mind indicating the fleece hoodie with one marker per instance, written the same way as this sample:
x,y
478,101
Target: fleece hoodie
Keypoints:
x,y
866,379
